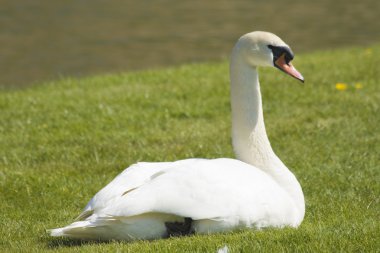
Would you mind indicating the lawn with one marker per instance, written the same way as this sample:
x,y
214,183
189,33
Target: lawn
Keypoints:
x,y
61,142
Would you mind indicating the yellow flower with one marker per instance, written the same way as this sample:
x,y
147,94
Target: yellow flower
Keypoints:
x,y
341,86
368,51
358,86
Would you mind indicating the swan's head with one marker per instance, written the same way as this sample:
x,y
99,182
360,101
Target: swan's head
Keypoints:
x,y
266,49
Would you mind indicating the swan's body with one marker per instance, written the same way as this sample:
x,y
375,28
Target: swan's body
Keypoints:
x,y
154,200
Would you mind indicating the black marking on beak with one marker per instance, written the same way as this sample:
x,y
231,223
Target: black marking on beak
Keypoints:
x,y
280,50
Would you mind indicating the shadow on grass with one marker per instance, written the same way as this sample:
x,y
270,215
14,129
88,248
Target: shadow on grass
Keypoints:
x,y
61,242
66,242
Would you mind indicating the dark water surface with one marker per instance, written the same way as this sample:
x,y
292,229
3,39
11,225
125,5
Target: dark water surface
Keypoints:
x,y
42,40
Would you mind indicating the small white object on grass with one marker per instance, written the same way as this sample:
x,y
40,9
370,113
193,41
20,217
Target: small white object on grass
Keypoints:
x,y
223,250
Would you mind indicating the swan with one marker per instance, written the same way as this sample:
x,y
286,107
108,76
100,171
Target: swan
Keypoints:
x,y
151,200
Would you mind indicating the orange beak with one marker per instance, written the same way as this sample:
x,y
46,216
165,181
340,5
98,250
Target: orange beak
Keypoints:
x,y
288,68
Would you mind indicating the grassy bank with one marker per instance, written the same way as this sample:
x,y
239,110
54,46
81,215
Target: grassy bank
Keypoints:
x,y
61,142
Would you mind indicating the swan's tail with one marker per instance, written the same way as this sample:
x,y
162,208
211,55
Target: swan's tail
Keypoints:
x,y
56,232
80,230
145,227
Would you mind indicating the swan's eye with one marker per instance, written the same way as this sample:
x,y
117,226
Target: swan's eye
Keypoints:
x,y
280,50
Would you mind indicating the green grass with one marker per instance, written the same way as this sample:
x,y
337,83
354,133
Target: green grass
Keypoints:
x,y
61,142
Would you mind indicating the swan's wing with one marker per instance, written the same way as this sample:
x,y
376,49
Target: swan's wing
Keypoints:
x,y
202,189
131,178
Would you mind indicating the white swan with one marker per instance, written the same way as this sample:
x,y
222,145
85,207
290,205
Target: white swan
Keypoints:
x,y
156,200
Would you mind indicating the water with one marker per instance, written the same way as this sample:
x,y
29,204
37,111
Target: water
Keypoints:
x,y
43,40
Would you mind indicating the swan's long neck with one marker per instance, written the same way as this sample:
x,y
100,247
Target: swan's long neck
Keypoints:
x,y
249,137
